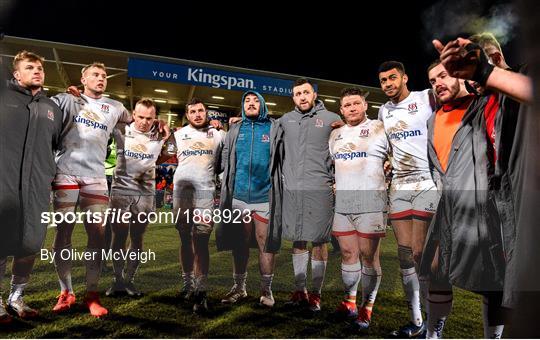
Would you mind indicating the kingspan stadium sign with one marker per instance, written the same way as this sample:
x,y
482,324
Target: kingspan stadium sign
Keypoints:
x,y
201,76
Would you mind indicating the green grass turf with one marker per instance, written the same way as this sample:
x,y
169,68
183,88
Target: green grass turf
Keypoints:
x,y
160,313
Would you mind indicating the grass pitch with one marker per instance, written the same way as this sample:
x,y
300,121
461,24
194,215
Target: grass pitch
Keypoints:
x,y
161,314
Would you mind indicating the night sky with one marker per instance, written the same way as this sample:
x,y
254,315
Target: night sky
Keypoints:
x,y
331,41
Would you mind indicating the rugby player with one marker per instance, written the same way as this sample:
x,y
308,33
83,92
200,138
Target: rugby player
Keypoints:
x,y
245,187
359,150
198,149
80,179
304,207
413,195
138,147
467,243
32,126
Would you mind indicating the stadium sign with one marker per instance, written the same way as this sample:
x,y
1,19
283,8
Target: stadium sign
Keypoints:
x,y
217,115
202,76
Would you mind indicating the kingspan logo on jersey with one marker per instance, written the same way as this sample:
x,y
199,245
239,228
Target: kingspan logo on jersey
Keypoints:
x,y
399,135
138,152
218,81
90,119
400,131
197,149
347,152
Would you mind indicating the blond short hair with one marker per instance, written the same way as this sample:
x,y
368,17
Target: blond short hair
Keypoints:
x,y
485,39
94,64
25,55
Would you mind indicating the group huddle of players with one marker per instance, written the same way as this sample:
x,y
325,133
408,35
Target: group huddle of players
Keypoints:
x,y
303,177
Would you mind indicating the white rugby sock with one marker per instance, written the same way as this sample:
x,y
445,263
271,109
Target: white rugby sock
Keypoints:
x,y
371,280
240,281
18,283
493,332
188,280
266,283
300,263
63,268
411,286
318,269
200,285
132,264
440,306
351,275
93,269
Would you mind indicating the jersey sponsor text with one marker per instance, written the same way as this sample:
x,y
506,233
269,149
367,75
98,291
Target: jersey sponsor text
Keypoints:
x,y
89,123
351,155
404,134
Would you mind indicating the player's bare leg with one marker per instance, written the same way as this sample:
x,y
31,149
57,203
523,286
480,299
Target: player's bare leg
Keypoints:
x,y
201,236
266,264
186,254
120,233
65,201
136,233
96,244
240,261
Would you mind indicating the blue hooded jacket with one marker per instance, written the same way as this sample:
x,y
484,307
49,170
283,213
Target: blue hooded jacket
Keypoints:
x,y
252,182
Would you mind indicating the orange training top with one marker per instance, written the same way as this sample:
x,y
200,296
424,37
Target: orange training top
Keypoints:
x,y
447,121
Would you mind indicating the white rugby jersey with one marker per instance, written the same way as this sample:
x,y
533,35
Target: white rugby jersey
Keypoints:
x,y
88,124
197,151
136,156
405,124
359,153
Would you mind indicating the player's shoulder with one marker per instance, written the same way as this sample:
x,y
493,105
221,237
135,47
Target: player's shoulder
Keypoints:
x,y
180,131
336,132
424,101
49,101
375,123
385,106
68,102
63,97
330,115
421,95
286,116
376,128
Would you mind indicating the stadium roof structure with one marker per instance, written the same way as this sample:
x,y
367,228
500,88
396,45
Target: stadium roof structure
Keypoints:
x,y
173,82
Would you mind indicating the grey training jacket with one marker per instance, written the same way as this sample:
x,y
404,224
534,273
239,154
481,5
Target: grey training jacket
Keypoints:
x,y
466,225
31,128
